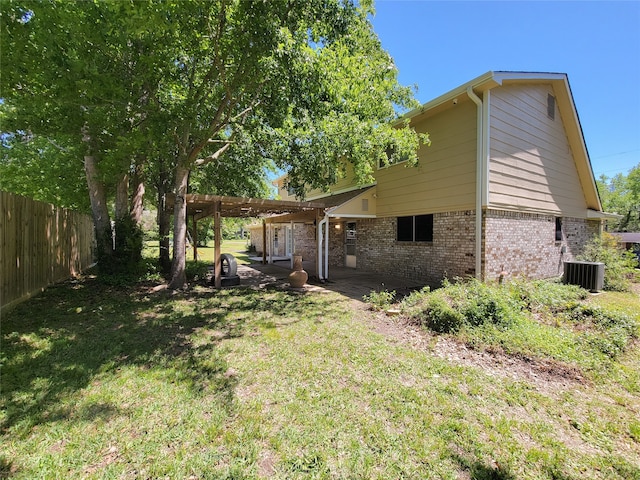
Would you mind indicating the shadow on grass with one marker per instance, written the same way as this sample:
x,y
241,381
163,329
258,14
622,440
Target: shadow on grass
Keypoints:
x,y
481,471
56,343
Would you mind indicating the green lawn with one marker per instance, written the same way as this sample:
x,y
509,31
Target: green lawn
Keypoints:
x,y
111,382
205,254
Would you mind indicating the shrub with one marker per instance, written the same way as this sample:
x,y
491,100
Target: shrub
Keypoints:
x,y
613,332
545,295
471,303
381,300
619,263
440,316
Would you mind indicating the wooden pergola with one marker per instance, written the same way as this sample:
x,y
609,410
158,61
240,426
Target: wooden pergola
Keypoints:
x,y
217,206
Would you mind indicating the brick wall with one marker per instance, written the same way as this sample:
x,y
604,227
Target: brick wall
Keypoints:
x,y
336,244
304,240
451,254
256,237
524,244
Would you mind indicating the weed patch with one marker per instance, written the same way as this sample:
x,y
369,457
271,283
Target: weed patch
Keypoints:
x,y
539,319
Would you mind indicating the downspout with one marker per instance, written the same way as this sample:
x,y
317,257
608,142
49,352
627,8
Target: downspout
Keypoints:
x,y
479,179
321,223
326,249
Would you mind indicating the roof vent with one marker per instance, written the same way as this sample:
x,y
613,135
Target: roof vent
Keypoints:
x,y
551,106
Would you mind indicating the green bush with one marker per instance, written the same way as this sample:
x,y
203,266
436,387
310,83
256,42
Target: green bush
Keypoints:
x,y
613,330
381,300
547,296
471,303
441,317
126,259
619,264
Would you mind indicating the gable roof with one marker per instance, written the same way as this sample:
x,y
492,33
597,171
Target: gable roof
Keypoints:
x,y
564,101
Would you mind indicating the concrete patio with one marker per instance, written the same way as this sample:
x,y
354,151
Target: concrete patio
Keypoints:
x,y
350,282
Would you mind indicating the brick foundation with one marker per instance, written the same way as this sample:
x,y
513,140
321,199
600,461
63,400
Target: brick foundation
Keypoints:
x,y
450,254
524,244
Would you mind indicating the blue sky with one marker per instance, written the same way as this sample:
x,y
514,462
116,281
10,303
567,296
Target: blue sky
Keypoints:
x,y
440,45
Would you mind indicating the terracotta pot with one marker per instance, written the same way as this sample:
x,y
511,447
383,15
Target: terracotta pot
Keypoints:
x,y
298,277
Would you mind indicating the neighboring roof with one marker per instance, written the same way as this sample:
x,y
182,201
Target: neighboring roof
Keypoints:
x,y
627,237
201,206
564,100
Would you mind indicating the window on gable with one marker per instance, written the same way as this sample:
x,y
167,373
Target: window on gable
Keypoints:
x,y
551,106
558,229
392,159
416,228
289,189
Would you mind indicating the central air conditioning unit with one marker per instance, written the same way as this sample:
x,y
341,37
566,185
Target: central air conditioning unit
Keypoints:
x,y
589,275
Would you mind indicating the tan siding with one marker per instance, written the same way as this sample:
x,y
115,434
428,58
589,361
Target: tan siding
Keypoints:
x,y
531,165
356,206
444,179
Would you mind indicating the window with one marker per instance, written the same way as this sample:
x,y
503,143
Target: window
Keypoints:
x,y
558,229
551,106
392,159
290,190
418,228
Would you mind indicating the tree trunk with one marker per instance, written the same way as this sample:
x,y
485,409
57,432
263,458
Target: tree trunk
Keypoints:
x,y
99,211
137,196
178,277
163,232
163,183
122,197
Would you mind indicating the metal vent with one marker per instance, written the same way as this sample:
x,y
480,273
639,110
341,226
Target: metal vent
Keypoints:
x,y
551,106
589,275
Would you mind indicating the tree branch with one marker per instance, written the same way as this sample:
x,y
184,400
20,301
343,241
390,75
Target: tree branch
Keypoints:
x,y
62,149
214,156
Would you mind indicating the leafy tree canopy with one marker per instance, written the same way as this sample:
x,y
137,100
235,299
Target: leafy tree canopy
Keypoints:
x,y
229,87
621,194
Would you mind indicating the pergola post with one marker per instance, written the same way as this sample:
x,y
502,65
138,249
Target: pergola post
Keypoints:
x,y
270,243
292,245
264,241
217,229
195,238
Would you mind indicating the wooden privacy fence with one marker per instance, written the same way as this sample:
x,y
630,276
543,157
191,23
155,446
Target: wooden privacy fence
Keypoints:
x,y
40,244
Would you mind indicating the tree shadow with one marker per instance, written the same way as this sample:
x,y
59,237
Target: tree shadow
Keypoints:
x,y
479,470
57,342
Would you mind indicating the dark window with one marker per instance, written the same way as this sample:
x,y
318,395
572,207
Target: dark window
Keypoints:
x,y
392,158
405,229
551,106
424,228
417,228
558,229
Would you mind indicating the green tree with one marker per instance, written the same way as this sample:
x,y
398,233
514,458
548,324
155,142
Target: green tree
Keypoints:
x,y
225,88
621,194
43,169
78,71
301,84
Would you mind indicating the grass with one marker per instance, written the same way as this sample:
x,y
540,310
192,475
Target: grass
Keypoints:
x,y
103,381
238,248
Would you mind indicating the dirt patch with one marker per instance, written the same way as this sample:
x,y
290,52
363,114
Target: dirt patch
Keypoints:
x,y
542,374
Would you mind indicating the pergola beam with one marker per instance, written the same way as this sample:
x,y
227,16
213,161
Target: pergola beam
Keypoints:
x,y
202,206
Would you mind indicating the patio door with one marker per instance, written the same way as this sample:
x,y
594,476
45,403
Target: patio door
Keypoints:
x,y
350,245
